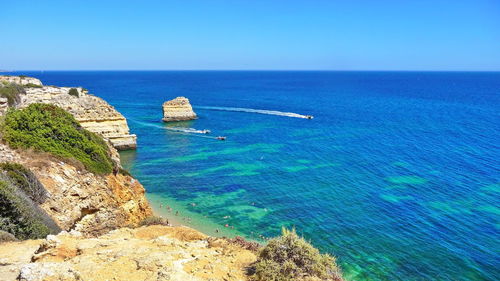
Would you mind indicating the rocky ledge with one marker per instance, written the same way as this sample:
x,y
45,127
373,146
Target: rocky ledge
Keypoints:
x,y
93,113
178,109
80,200
145,253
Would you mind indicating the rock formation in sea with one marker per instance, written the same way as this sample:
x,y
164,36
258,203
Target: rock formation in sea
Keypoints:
x,y
178,109
93,113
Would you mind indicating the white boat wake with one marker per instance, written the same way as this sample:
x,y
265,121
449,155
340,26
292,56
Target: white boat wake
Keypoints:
x,y
183,131
188,130
250,110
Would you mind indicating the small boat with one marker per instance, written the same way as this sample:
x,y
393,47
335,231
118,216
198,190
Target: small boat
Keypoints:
x,y
206,132
221,138
309,116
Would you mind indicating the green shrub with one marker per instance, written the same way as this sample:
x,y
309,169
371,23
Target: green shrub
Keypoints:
x,y
6,237
290,257
124,172
153,221
12,92
21,217
74,92
22,76
31,85
48,128
25,180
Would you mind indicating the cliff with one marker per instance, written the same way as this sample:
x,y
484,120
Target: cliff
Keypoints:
x,y
145,253
21,80
93,113
80,200
178,109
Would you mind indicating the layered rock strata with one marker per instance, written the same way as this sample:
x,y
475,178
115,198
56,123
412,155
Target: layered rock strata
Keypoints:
x,y
93,113
80,200
178,109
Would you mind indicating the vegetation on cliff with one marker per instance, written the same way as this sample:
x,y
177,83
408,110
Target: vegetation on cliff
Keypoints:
x,y
290,257
48,128
25,180
20,215
73,92
12,92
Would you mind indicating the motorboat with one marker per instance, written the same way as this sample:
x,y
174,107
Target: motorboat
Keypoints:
x,y
221,138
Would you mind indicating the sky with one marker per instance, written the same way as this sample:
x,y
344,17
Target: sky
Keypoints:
x,y
456,35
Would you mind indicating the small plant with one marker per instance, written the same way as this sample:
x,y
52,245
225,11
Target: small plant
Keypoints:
x,y
22,76
245,244
290,257
31,85
48,128
12,92
21,217
74,92
124,172
153,221
6,237
25,180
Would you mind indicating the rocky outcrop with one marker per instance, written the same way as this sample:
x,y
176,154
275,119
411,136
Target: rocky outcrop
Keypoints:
x,y
93,113
178,109
82,201
146,253
21,80
3,105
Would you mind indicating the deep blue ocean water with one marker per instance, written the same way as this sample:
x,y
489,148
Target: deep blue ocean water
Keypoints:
x,y
398,173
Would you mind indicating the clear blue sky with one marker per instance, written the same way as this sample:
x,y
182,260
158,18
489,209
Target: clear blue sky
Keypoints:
x,y
253,34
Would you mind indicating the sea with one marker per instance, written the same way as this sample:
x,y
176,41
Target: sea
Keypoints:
x,y
397,174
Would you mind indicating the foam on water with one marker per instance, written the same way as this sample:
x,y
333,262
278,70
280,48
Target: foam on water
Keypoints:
x,y
251,110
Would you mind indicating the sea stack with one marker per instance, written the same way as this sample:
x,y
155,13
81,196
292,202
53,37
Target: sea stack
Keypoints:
x,y
178,109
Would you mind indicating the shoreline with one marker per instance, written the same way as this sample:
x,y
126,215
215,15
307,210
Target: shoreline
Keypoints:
x,y
189,218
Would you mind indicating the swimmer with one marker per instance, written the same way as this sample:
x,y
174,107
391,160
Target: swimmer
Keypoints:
x,y
176,213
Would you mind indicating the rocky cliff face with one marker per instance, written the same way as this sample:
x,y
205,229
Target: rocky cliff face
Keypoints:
x,y
146,253
21,80
178,109
93,113
79,200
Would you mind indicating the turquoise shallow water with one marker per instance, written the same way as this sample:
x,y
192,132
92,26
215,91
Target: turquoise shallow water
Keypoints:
x,y
397,174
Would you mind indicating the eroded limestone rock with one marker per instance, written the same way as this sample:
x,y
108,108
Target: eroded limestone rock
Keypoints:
x,y
178,109
146,253
93,113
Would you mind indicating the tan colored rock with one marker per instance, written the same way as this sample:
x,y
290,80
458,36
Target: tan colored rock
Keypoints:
x,y
21,80
178,109
82,201
146,253
93,113
3,105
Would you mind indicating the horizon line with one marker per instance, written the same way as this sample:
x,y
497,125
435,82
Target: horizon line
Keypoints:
x,y
261,70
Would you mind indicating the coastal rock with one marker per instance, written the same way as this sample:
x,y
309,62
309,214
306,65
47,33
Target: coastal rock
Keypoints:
x,y
82,201
151,253
21,80
3,105
178,109
93,113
